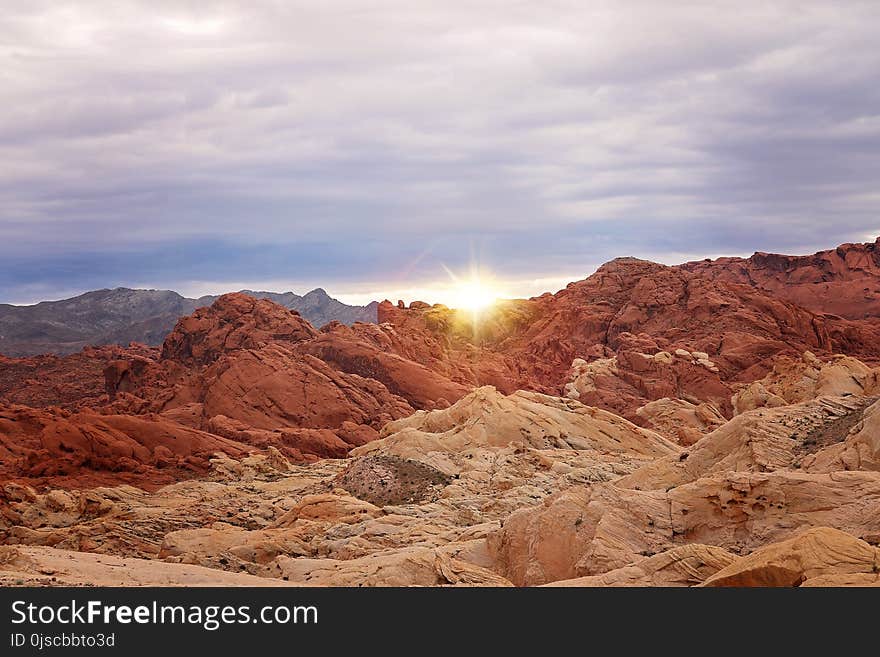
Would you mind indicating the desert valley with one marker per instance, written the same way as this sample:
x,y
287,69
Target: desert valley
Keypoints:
x,y
715,423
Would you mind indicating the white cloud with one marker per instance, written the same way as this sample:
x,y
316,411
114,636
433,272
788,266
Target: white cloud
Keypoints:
x,y
554,133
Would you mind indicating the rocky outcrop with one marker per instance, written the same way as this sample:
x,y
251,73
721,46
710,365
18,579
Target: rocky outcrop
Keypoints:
x,y
253,371
86,449
794,380
681,421
624,382
686,565
844,281
232,323
72,382
408,567
488,419
593,530
817,557
121,316
43,566
762,440
859,448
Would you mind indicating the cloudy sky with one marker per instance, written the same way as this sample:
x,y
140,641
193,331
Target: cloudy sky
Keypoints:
x,y
364,146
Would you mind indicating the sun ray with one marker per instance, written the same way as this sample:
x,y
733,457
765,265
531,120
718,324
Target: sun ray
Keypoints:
x,y
475,292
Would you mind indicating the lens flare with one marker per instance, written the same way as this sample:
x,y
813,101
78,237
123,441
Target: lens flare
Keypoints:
x,y
473,294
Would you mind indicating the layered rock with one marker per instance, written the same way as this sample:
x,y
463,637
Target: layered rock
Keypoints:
x,y
623,382
407,567
596,529
686,565
844,281
817,557
86,449
681,421
762,440
859,449
41,566
255,372
794,380
412,508
72,382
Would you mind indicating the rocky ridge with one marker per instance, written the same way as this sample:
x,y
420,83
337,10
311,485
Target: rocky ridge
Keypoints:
x,y
649,426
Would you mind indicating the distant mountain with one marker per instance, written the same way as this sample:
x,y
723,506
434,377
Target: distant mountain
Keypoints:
x,y
124,315
316,306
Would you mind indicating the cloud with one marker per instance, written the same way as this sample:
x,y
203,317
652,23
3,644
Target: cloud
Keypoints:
x,y
362,148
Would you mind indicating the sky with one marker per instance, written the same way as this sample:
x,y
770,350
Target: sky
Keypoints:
x,y
372,147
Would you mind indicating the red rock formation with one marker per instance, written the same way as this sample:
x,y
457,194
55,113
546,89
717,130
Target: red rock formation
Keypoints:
x,y
366,352
256,372
231,323
844,281
72,382
40,446
244,372
628,309
267,368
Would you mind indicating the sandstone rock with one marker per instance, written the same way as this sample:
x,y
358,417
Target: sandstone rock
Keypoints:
x,y
409,567
757,441
86,449
591,531
605,525
44,566
821,552
664,357
72,382
686,565
708,364
222,546
486,418
258,373
755,395
627,381
859,450
339,508
680,421
797,380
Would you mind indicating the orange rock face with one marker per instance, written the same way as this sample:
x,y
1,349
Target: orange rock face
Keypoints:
x,y
253,371
633,312
844,281
650,425
817,557
86,449
72,381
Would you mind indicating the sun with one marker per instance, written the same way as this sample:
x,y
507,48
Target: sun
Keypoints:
x,y
473,294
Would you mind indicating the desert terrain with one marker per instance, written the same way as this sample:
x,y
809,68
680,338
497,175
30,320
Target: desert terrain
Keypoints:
x,y
715,423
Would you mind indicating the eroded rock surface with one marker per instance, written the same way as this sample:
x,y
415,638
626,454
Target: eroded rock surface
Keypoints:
x,y
648,426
